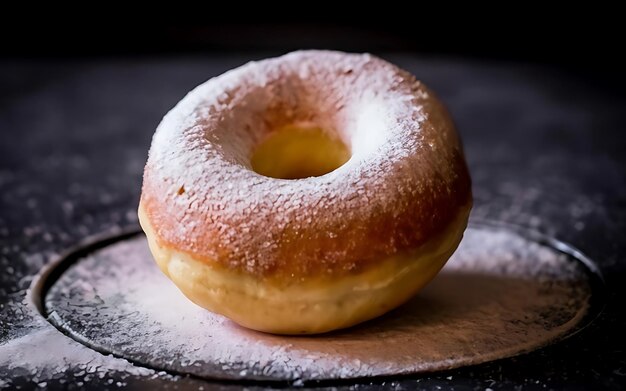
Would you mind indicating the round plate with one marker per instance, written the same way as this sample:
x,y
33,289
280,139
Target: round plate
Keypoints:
x,y
502,293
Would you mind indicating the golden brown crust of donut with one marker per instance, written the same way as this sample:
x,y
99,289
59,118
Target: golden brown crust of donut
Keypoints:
x,y
305,252
347,220
314,305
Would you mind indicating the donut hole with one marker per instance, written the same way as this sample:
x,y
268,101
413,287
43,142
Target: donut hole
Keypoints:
x,y
299,151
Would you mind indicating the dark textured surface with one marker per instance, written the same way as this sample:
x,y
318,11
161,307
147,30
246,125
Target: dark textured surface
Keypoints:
x,y
546,151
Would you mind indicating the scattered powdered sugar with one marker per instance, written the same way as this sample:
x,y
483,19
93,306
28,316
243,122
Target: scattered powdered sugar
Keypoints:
x,y
500,294
45,354
36,353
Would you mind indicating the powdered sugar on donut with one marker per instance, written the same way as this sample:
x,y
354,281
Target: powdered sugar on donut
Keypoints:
x,y
405,181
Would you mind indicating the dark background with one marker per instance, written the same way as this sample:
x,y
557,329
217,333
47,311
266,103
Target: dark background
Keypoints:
x,y
586,42
538,96
583,40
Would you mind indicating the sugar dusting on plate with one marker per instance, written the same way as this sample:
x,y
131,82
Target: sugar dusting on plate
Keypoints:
x,y
501,294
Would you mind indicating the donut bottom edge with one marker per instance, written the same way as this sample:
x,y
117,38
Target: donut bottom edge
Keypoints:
x,y
310,306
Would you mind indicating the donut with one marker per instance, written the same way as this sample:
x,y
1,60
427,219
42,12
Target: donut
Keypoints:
x,y
305,193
